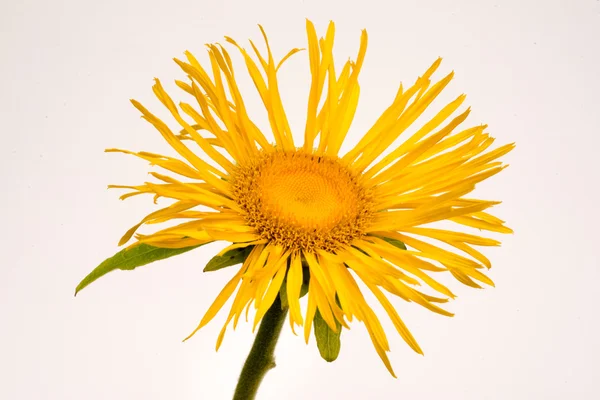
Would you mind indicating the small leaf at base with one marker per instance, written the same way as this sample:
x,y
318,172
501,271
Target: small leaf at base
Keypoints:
x,y
395,242
303,289
232,257
328,341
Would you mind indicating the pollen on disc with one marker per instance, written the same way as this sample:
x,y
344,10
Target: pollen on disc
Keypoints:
x,y
301,200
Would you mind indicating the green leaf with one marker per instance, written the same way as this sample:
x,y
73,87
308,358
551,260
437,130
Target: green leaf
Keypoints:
x,y
283,294
328,341
303,289
395,242
232,257
128,259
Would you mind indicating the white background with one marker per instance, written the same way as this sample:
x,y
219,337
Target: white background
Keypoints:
x,y
68,68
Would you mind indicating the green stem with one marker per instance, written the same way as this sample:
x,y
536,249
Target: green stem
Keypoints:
x,y
261,359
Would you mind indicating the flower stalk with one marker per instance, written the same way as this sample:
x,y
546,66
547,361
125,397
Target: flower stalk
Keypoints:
x,y
261,358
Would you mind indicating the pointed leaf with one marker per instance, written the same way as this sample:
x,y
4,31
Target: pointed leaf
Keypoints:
x,y
128,259
232,257
283,298
328,341
303,289
395,242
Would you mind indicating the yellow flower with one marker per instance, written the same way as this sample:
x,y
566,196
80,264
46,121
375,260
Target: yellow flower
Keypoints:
x,y
341,216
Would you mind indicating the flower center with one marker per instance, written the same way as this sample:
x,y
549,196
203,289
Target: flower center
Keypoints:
x,y
302,201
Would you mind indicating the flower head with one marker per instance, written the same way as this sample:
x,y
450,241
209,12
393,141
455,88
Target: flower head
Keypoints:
x,y
305,210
